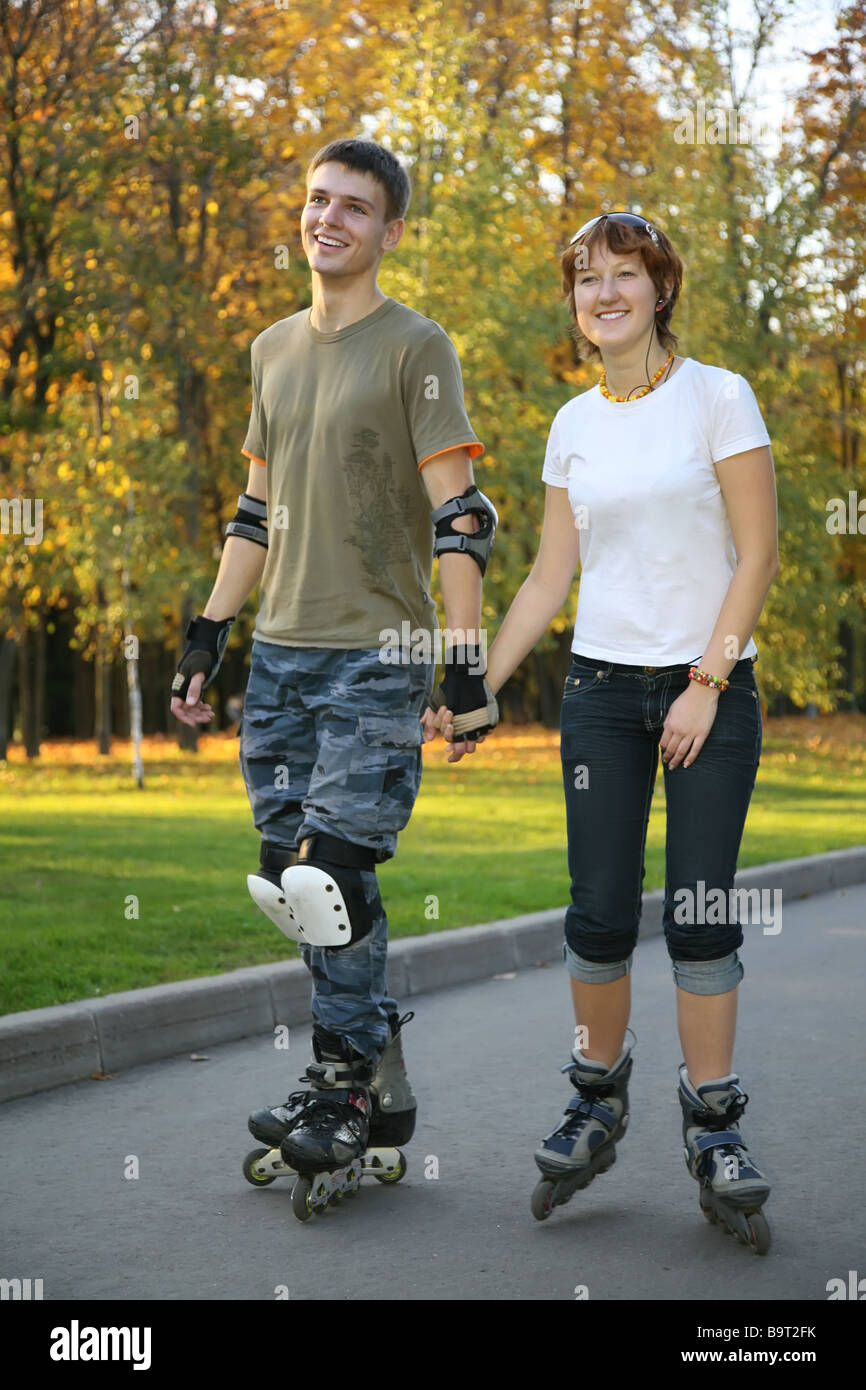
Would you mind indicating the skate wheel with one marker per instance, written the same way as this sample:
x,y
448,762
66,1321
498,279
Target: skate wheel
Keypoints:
x,y
707,1207
397,1174
301,1199
251,1176
760,1232
541,1204
335,1199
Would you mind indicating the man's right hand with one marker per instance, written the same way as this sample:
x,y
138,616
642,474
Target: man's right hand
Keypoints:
x,y
206,642
465,691
192,710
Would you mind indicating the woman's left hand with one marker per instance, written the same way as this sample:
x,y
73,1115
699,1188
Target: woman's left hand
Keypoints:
x,y
688,725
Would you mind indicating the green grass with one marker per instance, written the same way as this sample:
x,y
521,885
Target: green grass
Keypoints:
x,y
486,840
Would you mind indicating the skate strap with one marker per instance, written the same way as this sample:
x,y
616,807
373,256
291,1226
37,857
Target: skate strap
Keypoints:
x,y
715,1140
331,850
331,1072
587,1108
335,1076
715,1121
563,1143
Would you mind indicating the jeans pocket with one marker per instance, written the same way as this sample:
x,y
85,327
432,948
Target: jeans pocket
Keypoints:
x,y
737,726
744,695
578,681
384,772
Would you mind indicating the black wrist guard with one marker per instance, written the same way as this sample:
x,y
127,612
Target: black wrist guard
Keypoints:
x,y
206,642
464,690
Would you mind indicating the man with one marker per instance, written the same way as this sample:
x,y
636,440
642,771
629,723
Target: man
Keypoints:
x,y
357,430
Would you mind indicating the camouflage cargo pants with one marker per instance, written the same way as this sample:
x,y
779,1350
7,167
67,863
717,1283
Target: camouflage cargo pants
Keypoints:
x,y
331,741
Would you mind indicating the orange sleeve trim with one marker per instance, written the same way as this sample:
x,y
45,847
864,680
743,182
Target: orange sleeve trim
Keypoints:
x,y
254,458
474,450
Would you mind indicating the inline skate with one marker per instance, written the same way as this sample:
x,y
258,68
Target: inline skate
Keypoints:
x,y
584,1143
732,1187
345,1127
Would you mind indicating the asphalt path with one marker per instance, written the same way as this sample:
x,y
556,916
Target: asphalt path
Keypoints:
x,y
484,1060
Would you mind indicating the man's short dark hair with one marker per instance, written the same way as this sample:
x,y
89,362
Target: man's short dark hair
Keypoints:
x,y
369,158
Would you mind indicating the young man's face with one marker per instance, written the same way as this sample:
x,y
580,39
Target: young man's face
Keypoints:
x,y
346,207
614,299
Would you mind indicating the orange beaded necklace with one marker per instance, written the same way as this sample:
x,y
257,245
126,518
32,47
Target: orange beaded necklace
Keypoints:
x,y
644,391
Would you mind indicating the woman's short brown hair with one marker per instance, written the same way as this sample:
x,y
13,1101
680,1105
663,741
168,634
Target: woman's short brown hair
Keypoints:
x,y
663,266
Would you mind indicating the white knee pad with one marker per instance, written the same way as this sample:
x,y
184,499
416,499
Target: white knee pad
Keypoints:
x,y
309,907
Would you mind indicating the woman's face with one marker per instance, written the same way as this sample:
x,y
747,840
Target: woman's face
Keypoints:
x,y
614,299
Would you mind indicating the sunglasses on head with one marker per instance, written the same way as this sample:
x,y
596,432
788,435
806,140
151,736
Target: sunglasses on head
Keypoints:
x,y
629,219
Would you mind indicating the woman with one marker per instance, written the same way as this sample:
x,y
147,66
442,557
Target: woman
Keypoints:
x,y
660,481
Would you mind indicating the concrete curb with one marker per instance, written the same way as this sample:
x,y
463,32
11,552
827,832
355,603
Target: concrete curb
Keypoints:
x,y
44,1048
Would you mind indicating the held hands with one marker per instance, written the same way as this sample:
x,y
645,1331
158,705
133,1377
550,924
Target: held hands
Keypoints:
x,y
463,707
442,722
688,724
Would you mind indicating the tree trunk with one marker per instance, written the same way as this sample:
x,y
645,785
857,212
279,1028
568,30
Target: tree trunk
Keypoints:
x,y
102,694
135,719
82,694
39,685
25,684
8,646
858,668
132,650
31,681
547,697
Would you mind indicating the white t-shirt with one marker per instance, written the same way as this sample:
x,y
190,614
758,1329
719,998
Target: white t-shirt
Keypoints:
x,y
656,551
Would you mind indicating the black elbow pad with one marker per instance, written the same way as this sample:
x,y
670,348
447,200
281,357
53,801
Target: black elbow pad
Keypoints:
x,y
248,520
478,545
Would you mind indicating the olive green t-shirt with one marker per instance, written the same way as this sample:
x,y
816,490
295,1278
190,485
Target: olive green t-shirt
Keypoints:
x,y
342,422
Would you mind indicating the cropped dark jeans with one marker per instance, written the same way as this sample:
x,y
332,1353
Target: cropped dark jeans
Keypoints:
x,y
611,724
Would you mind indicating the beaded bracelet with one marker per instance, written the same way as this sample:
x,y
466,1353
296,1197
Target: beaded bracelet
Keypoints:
x,y
714,682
